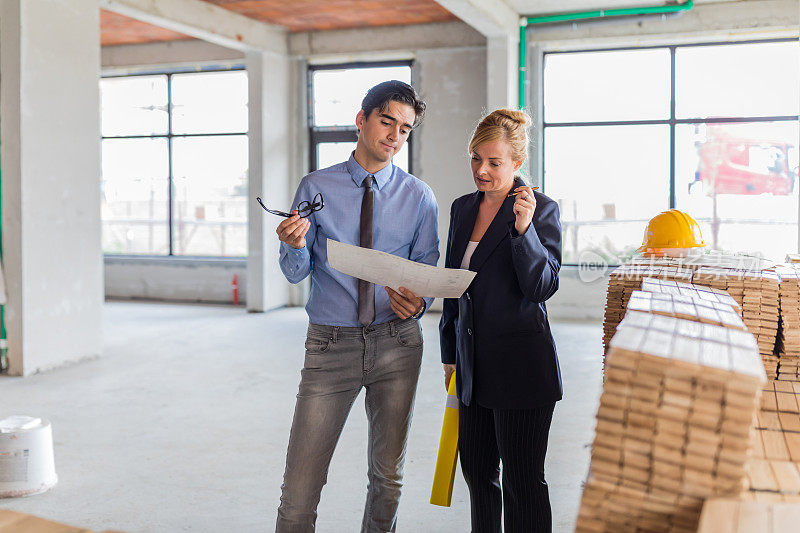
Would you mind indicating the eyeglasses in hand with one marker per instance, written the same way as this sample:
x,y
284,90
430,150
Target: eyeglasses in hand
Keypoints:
x,y
304,209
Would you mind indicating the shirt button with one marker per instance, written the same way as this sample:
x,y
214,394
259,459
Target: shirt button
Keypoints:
x,y
469,331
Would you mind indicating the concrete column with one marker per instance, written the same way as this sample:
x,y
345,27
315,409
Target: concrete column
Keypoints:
x,y
269,77
502,69
452,82
50,130
298,293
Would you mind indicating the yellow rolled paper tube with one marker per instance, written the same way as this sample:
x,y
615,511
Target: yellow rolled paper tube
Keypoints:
x,y
442,490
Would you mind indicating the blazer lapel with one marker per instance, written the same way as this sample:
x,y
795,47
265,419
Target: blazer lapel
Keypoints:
x,y
495,233
464,222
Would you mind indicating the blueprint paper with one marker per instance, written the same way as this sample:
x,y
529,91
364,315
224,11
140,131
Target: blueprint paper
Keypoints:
x,y
391,271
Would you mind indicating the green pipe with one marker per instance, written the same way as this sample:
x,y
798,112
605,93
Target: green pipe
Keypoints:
x,y
565,17
523,63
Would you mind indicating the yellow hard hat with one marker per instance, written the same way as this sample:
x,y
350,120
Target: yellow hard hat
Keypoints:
x,y
672,229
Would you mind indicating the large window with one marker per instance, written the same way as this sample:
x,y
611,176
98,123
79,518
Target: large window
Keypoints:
x,y
335,94
710,129
175,160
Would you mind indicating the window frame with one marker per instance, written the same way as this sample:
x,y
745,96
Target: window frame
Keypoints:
x,y
672,121
169,136
333,134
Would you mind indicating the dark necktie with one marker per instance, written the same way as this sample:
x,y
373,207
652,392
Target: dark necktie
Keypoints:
x,y
366,290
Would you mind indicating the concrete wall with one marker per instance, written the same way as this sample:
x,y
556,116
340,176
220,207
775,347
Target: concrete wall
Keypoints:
x,y
581,294
363,44
49,102
174,279
174,53
164,278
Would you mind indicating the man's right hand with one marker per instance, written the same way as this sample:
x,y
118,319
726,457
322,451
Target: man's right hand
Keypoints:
x,y
293,231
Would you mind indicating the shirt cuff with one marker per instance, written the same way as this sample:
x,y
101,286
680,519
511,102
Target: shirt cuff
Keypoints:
x,y
294,257
421,312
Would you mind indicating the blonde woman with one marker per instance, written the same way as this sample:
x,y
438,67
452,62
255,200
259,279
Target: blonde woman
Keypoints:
x,y
496,337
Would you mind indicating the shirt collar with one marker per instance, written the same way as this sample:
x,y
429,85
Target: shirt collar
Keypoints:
x,y
358,173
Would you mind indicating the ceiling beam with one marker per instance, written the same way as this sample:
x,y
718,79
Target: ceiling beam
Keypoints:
x,y
493,18
204,21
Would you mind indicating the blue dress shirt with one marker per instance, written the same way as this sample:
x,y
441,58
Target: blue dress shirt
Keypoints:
x,y
404,224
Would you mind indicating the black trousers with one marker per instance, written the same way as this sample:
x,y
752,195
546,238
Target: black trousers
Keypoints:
x,y
518,438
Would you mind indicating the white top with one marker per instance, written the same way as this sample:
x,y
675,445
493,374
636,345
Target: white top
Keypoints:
x,y
16,423
471,245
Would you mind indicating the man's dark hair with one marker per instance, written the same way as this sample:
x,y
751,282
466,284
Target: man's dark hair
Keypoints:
x,y
393,91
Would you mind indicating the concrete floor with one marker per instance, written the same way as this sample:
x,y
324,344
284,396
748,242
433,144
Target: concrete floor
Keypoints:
x,y
182,425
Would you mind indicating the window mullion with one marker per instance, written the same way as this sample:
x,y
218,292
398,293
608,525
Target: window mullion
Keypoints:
x,y
170,187
672,198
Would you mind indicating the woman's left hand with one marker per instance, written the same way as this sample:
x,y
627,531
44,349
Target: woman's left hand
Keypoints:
x,y
524,206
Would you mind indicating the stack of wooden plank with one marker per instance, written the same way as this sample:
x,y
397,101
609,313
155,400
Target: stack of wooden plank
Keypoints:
x,y
626,279
674,423
687,307
655,262
787,346
724,279
758,293
761,314
714,259
729,515
687,289
773,469
760,309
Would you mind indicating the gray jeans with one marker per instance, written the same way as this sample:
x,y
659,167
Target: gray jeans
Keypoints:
x,y
385,360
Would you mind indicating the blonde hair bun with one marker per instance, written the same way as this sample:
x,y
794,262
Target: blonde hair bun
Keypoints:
x,y
516,115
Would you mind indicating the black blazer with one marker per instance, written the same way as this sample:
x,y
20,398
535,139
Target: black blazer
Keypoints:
x,y
497,332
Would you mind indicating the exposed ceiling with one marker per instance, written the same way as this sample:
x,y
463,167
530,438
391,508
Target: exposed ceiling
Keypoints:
x,y
307,15
296,15
311,15
118,29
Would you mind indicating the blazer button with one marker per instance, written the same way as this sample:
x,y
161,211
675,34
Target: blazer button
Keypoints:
x,y
467,295
469,331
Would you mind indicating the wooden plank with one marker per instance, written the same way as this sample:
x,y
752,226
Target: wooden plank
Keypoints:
x,y
13,522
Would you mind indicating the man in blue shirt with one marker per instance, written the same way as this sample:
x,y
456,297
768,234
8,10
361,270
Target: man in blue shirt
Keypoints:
x,y
358,336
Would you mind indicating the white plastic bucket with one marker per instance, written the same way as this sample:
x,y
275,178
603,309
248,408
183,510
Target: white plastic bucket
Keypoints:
x,y
27,466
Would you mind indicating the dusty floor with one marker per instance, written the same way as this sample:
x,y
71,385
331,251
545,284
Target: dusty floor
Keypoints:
x,y
182,425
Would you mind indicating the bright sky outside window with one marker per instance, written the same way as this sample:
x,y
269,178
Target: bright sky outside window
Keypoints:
x,y
737,80
338,93
134,106
203,154
595,86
